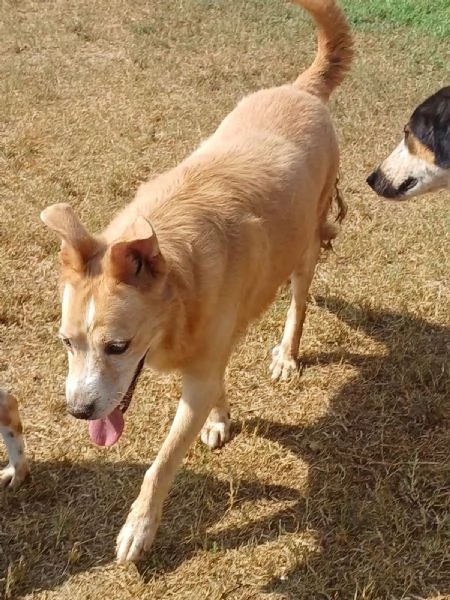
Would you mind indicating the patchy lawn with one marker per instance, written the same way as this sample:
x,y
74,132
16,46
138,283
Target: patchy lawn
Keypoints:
x,y
335,485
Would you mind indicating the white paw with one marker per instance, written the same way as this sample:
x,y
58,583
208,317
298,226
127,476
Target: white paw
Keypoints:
x,y
215,434
137,535
282,365
8,477
11,477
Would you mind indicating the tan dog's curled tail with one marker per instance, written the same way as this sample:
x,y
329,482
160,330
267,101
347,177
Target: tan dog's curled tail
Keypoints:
x,y
334,48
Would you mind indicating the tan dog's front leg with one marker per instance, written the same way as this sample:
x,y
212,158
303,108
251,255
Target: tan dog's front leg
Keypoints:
x,y
137,535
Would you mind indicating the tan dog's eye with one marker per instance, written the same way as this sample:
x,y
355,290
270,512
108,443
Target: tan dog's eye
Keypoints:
x,y
116,347
67,343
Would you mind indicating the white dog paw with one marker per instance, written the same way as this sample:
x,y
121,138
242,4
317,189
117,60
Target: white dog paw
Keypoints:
x,y
8,477
215,434
11,478
282,365
136,536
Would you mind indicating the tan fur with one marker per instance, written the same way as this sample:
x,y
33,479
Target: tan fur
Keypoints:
x,y
416,148
334,48
200,253
11,431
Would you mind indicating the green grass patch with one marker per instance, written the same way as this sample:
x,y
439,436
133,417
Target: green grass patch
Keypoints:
x,y
432,18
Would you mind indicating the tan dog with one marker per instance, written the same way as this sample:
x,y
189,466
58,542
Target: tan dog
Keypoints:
x,y
11,431
178,275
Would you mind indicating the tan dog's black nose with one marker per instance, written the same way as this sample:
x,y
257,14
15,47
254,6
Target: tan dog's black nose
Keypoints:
x,y
81,411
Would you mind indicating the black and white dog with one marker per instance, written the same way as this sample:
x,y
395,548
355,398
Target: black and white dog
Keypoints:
x,y
421,162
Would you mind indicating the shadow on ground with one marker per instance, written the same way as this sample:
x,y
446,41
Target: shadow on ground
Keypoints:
x,y
66,519
379,468
378,494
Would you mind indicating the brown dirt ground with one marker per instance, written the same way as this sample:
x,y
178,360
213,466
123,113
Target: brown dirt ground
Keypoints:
x,y
335,485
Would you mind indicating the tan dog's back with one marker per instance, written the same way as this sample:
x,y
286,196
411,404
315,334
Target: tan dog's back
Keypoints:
x,y
276,158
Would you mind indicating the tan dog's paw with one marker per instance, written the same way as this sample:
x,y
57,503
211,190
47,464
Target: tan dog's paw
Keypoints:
x,y
8,477
282,365
215,435
137,535
216,431
11,477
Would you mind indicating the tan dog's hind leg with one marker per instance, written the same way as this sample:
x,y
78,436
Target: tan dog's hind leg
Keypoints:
x,y
199,394
285,355
11,431
216,431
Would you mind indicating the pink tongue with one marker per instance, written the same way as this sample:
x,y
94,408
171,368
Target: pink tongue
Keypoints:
x,y
106,431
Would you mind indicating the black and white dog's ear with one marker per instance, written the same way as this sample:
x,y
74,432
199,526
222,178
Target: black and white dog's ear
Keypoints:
x,y
430,123
421,124
442,142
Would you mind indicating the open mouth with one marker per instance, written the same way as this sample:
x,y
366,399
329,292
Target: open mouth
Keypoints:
x,y
384,188
407,185
125,402
107,431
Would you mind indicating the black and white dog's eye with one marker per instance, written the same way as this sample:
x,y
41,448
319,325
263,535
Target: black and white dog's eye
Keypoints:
x,y
116,347
67,343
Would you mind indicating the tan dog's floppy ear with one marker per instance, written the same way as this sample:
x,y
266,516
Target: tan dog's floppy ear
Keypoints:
x,y
78,245
136,258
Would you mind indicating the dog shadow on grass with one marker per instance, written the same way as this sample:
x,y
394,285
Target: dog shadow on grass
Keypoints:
x,y
379,469
66,519
378,498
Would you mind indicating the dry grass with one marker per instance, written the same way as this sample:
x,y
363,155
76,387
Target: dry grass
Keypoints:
x,y
336,485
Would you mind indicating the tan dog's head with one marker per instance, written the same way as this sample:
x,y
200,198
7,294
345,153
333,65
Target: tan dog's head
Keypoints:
x,y
111,316
421,162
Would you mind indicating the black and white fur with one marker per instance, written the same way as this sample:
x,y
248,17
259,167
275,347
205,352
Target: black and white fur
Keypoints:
x,y
421,162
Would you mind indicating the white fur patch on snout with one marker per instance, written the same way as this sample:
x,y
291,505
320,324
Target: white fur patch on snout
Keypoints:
x,y
87,385
83,389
